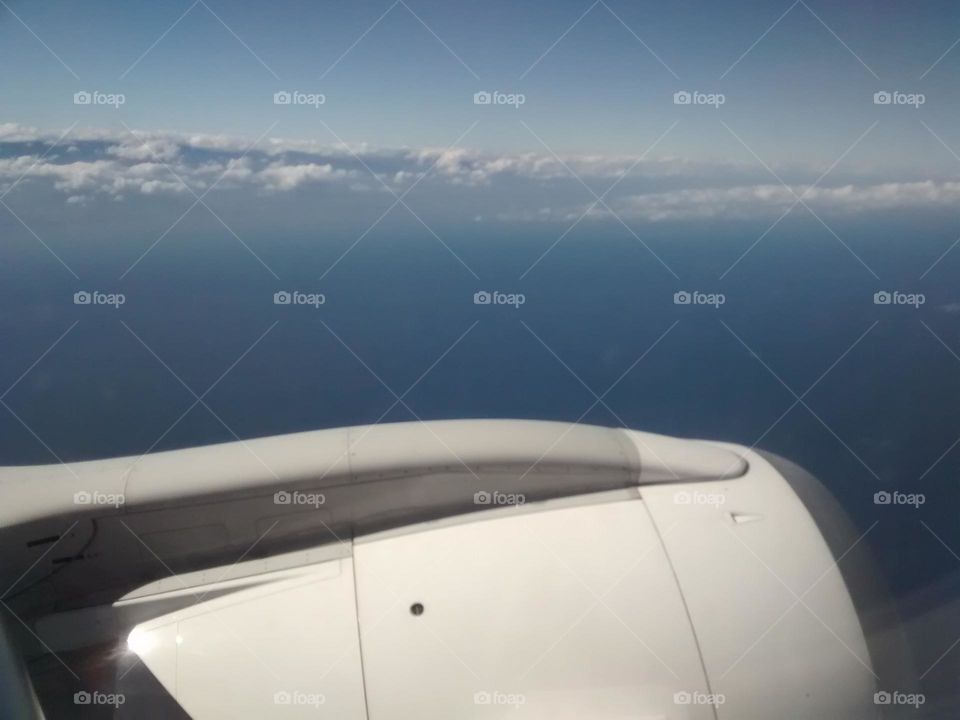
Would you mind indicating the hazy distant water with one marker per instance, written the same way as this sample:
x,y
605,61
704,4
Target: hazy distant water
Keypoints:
x,y
599,300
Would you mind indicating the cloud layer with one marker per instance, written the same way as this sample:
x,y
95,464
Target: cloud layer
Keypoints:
x,y
94,165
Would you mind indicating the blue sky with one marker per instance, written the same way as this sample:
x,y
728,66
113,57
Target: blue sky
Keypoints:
x,y
793,88
803,92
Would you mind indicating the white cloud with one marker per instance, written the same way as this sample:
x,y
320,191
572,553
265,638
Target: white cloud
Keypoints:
x,y
95,163
278,176
164,149
10,132
749,201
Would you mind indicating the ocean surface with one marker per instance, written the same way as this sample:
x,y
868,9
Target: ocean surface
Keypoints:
x,y
399,319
